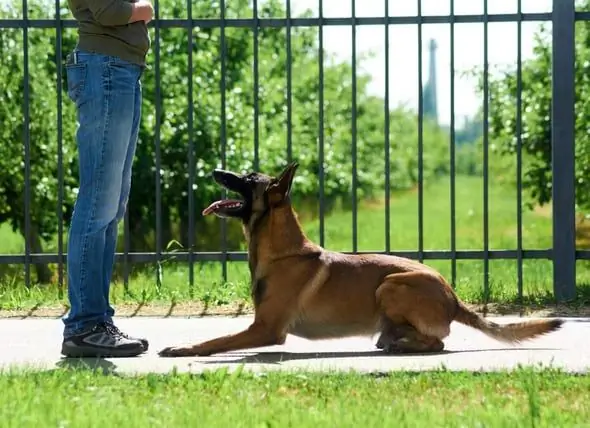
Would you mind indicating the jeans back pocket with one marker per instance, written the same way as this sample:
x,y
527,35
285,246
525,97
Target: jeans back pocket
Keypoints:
x,y
76,80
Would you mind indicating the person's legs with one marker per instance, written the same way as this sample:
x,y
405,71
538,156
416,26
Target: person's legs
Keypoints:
x,y
104,91
112,229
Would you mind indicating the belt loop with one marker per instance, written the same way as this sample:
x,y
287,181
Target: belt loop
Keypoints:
x,y
75,57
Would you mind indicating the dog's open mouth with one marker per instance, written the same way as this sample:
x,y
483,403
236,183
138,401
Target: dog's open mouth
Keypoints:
x,y
223,206
228,207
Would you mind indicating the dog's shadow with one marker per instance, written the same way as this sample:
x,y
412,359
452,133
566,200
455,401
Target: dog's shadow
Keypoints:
x,y
278,357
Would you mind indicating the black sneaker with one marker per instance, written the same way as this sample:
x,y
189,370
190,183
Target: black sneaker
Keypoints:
x,y
143,341
103,340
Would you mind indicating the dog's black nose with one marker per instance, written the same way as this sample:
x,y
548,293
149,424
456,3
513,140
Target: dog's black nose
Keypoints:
x,y
222,176
217,172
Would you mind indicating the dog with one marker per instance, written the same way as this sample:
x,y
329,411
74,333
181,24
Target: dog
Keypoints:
x,y
300,288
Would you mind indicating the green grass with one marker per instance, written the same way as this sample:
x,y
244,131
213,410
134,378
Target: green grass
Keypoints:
x,y
210,288
80,398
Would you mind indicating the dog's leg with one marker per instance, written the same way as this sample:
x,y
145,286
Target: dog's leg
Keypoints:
x,y
418,313
407,339
269,328
389,333
255,336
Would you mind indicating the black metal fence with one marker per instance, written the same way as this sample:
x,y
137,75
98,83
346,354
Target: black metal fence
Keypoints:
x,y
562,18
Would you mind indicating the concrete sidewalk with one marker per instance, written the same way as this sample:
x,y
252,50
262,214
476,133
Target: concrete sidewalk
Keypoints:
x,y
36,343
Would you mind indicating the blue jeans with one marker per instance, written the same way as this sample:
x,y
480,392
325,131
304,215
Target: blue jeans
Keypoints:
x,y
107,94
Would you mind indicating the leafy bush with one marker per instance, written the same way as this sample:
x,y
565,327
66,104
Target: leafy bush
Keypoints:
x,y
207,135
536,116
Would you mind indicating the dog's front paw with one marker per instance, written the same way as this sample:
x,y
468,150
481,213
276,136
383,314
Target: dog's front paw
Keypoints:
x,y
390,346
178,351
385,340
392,349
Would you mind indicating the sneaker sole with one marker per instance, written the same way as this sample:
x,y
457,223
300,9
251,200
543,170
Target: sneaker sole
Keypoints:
x,y
92,352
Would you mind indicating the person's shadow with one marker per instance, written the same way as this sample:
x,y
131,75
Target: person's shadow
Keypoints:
x,y
99,365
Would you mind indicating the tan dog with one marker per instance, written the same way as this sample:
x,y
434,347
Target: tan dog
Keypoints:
x,y
299,288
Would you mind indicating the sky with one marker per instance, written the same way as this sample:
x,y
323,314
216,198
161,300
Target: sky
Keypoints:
x,y
403,49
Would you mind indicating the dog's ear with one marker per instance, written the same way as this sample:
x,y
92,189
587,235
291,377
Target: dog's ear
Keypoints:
x,y
280,189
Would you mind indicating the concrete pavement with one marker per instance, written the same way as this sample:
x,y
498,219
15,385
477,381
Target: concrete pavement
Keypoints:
x,y
35,343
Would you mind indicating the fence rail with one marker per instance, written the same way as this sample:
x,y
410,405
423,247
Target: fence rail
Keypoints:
x,y
563,18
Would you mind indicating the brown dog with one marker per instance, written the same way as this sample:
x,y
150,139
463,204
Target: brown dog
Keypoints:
x,y
299,288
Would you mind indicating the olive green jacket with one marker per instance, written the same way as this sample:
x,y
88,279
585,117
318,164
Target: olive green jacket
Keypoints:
x,y
103,28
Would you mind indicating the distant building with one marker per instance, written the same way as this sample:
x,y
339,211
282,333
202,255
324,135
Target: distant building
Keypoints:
x,y
429,94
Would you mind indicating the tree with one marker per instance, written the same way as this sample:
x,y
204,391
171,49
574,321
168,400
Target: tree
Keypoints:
x,y
42,106
239,84
207,133
536,116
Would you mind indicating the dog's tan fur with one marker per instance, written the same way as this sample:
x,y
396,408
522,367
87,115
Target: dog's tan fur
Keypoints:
x,y
299,288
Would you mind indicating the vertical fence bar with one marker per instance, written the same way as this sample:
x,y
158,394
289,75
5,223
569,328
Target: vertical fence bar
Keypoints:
x,y
256,85
126,250
386,132
27,146
354,135
486,262
223,47
60,171
321,121
563,149
420,141
191,151
452,150
519,257
157,127
289,87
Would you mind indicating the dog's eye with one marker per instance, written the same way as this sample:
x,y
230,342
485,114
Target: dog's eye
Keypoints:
x,y
250,178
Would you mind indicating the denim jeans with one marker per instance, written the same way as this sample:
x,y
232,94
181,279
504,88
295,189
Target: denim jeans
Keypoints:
x,y
107,94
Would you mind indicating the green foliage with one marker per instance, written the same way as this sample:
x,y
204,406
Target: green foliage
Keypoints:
x,y
209,137
42,108
210,134
536,116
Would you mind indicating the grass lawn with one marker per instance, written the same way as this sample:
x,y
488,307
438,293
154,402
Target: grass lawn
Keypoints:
x,y
523,398
210,289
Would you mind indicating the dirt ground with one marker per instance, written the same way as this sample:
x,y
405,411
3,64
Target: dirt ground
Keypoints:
x,y
197,309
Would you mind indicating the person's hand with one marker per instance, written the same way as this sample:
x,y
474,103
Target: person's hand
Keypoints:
x,y
142,11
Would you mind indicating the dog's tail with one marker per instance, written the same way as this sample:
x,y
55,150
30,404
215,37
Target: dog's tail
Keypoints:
x,y
508,333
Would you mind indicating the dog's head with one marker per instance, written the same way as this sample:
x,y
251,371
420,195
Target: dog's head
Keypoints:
x,y
256,193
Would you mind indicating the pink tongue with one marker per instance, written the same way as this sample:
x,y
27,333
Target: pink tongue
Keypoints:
x,y
211,208
219,204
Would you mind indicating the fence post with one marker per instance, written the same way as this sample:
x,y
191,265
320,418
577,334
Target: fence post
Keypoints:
x,y
563,154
